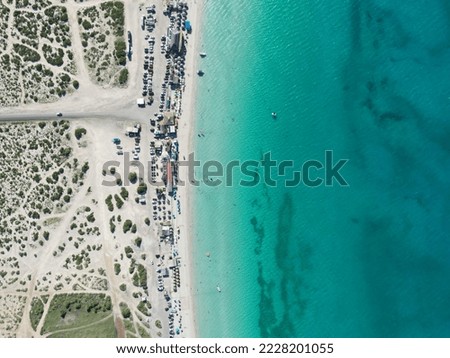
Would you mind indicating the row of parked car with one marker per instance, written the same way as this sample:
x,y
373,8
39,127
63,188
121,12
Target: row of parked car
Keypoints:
x,y
147,87
149,20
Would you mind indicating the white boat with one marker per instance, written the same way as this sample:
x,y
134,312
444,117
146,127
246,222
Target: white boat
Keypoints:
x,y
274,114
218,288
202,54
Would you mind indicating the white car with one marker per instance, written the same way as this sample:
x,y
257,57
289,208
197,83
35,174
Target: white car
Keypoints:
x,y
135,156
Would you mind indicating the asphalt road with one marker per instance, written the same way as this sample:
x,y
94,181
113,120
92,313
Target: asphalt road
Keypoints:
x,y
25,117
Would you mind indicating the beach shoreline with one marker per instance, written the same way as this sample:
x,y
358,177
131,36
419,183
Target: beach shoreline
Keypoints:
x,y
186,136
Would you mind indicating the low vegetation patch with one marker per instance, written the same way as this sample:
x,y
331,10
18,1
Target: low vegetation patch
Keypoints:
x,y
102,329
102,37
76,310
36,312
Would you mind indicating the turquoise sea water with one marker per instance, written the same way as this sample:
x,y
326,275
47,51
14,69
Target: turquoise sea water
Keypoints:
x,y
370,80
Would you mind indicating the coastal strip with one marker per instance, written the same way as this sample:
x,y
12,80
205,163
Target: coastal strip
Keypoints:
x,y
186,135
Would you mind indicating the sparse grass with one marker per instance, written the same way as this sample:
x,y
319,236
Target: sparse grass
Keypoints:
x,y
143,332
37,309
47,29
129,326
103,42
76,310
144,308
140,277
103,329
125,310
40,166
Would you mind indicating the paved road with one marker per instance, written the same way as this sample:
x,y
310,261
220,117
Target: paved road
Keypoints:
x,y
124,112
19,117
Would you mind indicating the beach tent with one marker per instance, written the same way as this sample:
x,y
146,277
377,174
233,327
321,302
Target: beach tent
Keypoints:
x,y
187,25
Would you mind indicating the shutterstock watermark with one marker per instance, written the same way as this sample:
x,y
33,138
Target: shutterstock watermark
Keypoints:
x,y
312,173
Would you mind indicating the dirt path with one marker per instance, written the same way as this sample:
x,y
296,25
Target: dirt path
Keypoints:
x,y
44,314
10,25
25,329
108,241
77,48
120,328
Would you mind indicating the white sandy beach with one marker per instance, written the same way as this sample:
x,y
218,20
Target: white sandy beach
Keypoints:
x,y
186,137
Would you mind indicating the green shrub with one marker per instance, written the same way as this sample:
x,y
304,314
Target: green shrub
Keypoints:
x,y
79,132
27,54
120,51
85,168
132,177
109,203
138,241
140,276
128,252
142,307
65,152
117,268
127,226
123,76
119,201
86,25
124,193
36,312
126,313
142,188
